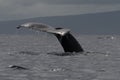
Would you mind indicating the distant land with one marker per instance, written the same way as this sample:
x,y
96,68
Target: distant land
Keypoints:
x,y
97,23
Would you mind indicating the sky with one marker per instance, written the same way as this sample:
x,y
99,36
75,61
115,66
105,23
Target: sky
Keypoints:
x,y
21,9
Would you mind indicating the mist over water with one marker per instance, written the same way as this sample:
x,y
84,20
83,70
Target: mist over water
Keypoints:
x,y
101,62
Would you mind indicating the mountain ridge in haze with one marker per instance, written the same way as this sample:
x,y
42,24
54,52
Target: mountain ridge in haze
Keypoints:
x,y
97,23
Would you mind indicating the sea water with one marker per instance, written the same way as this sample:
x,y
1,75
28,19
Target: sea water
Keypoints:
x,y
101,61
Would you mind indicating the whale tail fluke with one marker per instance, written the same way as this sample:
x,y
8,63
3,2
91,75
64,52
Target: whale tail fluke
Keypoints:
x,y
66,39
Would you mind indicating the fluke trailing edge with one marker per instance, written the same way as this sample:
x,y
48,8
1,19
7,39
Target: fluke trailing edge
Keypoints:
x,y
66,39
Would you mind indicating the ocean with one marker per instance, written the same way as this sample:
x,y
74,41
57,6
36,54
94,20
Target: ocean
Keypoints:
x,y
100,61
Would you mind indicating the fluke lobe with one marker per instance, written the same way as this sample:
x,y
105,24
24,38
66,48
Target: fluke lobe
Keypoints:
x,y
66,39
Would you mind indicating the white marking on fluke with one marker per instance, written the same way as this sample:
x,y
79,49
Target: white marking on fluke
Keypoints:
x,y
44,28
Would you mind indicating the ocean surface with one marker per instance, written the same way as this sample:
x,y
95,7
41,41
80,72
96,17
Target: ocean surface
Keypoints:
x,y
37,54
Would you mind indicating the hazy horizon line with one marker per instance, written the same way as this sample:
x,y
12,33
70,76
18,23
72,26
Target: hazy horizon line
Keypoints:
x,y
59,15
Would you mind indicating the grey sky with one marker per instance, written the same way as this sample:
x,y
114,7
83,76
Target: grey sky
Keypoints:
x,y
18,9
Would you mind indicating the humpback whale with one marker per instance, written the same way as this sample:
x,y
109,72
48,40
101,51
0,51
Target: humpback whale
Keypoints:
x,y
66,39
